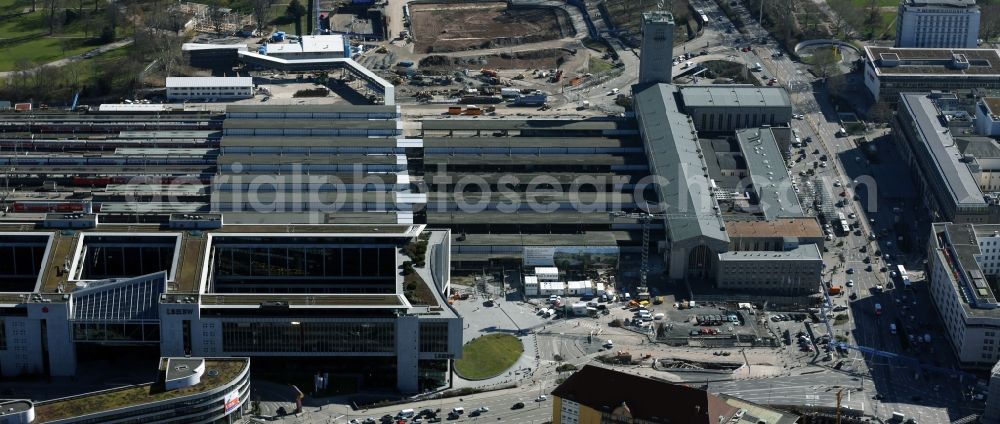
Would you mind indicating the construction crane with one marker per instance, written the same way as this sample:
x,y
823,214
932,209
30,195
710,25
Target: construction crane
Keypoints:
x,y
839,393
642,292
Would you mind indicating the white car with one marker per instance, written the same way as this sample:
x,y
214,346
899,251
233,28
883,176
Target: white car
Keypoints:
x,y
541,398
822,164
850,283
852,215
836,183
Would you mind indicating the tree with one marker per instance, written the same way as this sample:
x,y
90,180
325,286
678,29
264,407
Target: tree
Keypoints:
x,y
989,26
880,112
52,5
259,9
216,15
309,17
824,61
873,20
295,11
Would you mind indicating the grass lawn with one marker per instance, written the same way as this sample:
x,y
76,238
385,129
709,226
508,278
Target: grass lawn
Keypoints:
x,y
488,356
22,25
861,4
596,65
40,50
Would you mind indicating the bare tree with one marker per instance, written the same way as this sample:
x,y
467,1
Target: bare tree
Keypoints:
x,y
989,26
216,15
52,5
880,112
824,62
260,10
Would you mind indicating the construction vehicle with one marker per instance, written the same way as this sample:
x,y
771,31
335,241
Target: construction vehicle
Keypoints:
x,y
642,294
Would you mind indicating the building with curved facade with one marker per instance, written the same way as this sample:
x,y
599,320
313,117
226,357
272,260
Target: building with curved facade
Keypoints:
x,y
189,391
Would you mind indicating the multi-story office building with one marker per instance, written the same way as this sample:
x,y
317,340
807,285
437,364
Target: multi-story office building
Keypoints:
x,y
988,116
188,391
890,71
209,88
992,413
937,24
961,260
959,171
300,265
726,108
579,400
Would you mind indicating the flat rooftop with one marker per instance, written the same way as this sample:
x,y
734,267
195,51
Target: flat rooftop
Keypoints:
x,y
389,300
800,253
523,124
537,160
734,96
226,370
194,245
310,44
535,142
962,246
922,61
386,124
521,218
944,151
306,159
307,109
768,173
283,142
993,103
589,238
784,227
208,82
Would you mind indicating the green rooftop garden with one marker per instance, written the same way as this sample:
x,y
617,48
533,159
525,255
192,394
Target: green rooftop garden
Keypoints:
x,y
85,404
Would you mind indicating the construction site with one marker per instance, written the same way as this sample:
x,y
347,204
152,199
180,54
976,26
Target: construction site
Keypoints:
x,y
458,26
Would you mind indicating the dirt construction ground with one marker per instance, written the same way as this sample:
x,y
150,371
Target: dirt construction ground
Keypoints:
x,y
449,27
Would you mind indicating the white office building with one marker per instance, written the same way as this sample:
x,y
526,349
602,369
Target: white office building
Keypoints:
x,y
961,258
937,24
209,88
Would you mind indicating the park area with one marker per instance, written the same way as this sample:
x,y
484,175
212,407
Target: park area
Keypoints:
x,y
488,356
450,27
29,38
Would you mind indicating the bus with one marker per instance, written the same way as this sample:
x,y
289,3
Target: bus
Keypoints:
x,y
843,223
903,276
703,16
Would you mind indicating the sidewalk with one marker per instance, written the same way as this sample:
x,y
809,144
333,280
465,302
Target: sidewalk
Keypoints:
x,y
65,61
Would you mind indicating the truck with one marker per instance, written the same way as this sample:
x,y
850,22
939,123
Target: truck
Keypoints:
x,y
509,92
835,290
488,72
454,110
903,276
642,293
